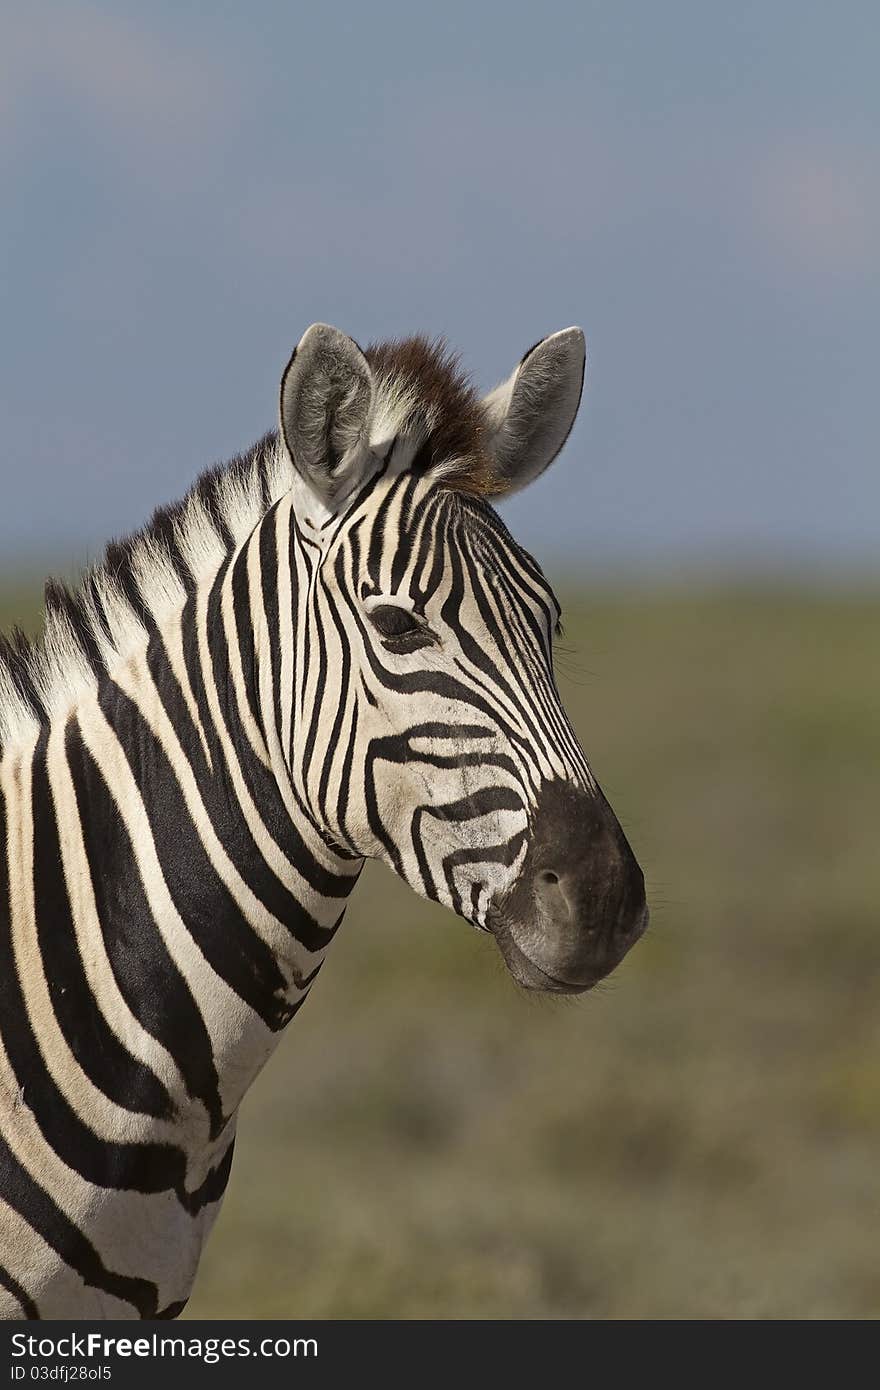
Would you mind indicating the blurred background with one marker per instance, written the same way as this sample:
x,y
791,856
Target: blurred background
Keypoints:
x,y
185,188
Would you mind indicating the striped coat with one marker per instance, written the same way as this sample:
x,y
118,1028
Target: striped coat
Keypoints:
x,y
332,649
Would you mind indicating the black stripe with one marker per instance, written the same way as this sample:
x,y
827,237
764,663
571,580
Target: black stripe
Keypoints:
x,y
307,743
244,633
24,1301
403,553
122,1077
148,979
342,694
269,582
214,1185
189,638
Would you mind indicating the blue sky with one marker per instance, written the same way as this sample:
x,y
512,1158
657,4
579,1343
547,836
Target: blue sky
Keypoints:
x,y
187,187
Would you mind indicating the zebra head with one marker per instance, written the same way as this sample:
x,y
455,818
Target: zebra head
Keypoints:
x,y
426,728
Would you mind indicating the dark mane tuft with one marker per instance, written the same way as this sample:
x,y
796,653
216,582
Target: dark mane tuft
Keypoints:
x,y
448,404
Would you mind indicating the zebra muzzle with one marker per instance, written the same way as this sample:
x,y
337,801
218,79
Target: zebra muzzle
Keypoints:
x,y
578,904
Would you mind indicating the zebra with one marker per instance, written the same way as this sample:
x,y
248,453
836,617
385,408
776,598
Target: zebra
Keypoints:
x,y
331,650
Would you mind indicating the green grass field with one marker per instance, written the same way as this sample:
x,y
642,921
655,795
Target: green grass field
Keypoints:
x,y
698,1137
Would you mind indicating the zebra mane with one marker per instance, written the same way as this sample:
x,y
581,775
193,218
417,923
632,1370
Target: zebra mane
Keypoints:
x,y
102,618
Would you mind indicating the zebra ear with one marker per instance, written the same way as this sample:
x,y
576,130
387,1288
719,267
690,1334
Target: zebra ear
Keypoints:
x,y
530,415
325,408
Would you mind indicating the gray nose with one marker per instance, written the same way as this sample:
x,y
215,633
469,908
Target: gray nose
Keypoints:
x,y
603,894
579,903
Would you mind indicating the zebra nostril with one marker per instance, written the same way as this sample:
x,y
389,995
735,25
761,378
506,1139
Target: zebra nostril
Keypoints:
x,y
550,893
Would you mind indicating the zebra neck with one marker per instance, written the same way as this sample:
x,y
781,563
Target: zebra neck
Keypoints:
x,y
186,800
166,910
165,905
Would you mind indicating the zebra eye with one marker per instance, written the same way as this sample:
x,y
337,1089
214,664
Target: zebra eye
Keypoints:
x,y
399,629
